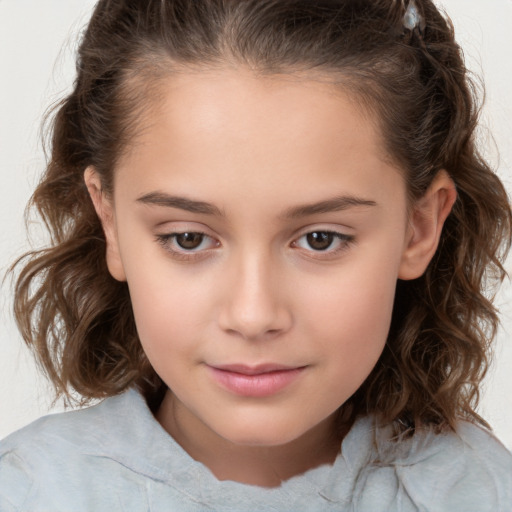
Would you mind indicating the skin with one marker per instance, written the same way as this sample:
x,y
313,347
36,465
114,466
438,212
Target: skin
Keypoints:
x,y
255,291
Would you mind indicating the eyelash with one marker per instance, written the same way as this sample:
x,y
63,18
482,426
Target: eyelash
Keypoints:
x,y
167,241
344,242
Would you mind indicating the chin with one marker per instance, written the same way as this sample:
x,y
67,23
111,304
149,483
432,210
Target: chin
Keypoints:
x,y
259,441
261,434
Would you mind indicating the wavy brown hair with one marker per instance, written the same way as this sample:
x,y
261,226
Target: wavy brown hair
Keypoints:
x,y
79,320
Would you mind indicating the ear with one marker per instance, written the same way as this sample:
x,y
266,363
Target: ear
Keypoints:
x,y
425,225
105,211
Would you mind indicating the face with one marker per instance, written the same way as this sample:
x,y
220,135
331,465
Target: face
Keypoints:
x,y
261,231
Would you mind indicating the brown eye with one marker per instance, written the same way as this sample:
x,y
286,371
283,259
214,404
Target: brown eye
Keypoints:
x,y
326,244
188,245
320,240
189,241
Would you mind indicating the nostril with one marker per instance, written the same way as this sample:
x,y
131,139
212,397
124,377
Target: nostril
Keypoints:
x,y
254,335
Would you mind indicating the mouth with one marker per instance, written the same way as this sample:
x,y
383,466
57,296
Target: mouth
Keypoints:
x,y
255,381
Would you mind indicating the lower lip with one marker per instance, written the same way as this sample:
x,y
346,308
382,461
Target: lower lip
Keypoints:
x,y
260,385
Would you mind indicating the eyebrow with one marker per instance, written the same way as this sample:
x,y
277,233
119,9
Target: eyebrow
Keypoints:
x,y
182,203
191,205
334,204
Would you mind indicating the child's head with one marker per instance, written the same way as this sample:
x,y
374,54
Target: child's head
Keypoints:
x,y
264,172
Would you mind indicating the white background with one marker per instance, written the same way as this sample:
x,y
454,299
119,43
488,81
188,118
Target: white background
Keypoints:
x,y
37,42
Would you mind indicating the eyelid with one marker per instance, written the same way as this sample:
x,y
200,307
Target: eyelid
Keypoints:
x,y
345,241
337,229
166,241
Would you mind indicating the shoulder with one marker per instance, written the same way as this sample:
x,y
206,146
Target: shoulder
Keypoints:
x,y
57,455
479,445
62,433
465,469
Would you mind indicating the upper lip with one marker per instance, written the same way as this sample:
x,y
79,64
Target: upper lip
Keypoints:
x,y
255,370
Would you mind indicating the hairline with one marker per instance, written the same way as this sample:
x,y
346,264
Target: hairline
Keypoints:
x,y
148,77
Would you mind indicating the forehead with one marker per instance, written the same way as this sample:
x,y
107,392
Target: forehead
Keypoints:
x,y
234,126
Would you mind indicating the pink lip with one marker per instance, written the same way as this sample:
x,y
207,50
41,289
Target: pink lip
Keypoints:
x,y
255,381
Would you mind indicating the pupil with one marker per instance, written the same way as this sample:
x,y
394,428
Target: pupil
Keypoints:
x,y
320,240
189,240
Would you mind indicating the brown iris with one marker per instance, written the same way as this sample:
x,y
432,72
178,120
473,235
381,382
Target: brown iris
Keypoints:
x,y
189,241
320,240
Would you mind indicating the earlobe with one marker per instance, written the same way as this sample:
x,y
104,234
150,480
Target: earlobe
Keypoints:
x,y
104,210
426,223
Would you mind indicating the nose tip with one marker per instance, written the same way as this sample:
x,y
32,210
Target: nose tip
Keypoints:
x,y
255,318
249,327
255,308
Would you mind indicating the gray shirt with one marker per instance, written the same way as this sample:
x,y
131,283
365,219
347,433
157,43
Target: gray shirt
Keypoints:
x,y
115,456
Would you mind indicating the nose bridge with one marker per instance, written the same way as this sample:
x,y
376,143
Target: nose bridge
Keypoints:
x,y
254,305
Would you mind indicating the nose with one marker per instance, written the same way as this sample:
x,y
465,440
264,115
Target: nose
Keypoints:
x,y
254,305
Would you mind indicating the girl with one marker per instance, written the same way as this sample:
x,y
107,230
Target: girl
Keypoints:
x,y
271,232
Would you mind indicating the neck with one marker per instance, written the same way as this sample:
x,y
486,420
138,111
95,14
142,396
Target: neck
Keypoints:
x,y
265,466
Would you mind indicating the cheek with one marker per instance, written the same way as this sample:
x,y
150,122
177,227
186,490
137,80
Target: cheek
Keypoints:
x,y
359,296
355,349
168,303
349,315
165,313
